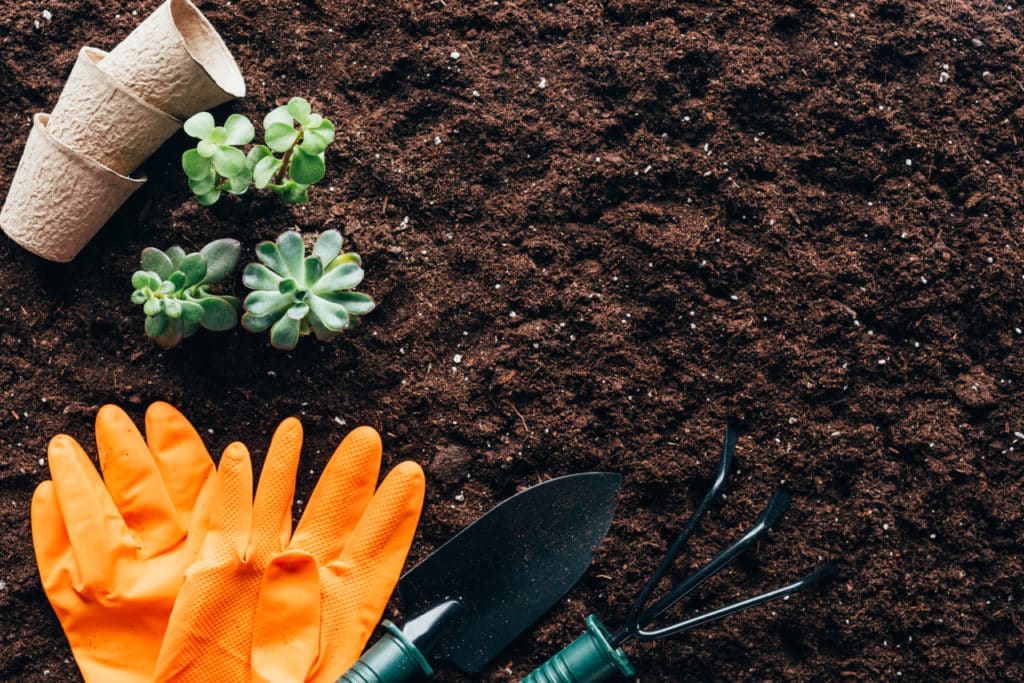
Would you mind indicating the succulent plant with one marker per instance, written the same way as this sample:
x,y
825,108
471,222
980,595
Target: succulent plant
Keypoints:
x,y
291,130
216,164
173,289
295,294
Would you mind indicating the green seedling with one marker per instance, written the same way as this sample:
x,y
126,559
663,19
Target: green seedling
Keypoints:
x,y
295,294
173,289
300,137
216,164
291,159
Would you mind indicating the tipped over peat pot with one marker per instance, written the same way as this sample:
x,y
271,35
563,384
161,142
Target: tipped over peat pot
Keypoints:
x,y
60,198
99,117
176,61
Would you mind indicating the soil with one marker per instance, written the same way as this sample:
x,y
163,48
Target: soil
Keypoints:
x,y
633,221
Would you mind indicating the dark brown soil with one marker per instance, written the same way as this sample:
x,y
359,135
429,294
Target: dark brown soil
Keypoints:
x,y
775,213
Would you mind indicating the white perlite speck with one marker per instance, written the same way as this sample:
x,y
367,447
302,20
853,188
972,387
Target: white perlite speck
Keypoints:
x,y
457,359
542,83
455,54
47,14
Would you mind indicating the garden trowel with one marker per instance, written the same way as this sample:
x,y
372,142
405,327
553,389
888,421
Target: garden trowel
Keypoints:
x,y
479,591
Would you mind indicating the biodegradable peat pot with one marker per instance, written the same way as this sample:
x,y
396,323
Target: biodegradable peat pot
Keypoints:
x,y
98,117
176,61
59,198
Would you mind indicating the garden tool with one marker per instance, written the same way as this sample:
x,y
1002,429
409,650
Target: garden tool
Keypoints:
x,y
488,584
112,552
597,655
262,603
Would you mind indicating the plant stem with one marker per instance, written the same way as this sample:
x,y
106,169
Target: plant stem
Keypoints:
x,y
287,158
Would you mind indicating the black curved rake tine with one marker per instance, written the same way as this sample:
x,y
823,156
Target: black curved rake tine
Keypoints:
x,y
776,507
822,573
724,465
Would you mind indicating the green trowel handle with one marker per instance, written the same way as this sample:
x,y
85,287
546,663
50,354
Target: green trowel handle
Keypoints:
x,y
392,659
588,659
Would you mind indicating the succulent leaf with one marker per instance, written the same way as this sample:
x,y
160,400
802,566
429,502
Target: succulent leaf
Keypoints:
x,y
277,115
292,251
280,136
155,325
221,258
239,129
229,162
258,276
332,315
195,165
345,276
270,256
200,125
193,267
263,302
293,193
206,149
265,170
140,279
219,313
327,247
284,334
157,261
299,110
356,303
208,198
306,168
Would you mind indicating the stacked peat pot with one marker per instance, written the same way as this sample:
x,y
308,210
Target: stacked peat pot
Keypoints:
x,y
115,110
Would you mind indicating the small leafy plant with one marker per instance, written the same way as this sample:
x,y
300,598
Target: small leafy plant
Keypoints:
x,y
291,159
295,294
216,164
173,289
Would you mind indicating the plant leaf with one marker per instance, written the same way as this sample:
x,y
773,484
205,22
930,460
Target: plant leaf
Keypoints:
x,y
284,334
277,115
170,285
356,303
152,307
270,256
140,278
332,315
299,110
172,334
345,276
240,183
155,325
324,132
219,314
193,267
157,261
229,161
328,245
189,327
256,154
258,276
293,193
289,243
195,165
191,311
257,323
262,302
204,186
280,136
221,258
322,332
206,149
200,125
298,311
314,121
175,254
172,307
348,257
313,269
306,169
240,130
265,170
138,297
208,198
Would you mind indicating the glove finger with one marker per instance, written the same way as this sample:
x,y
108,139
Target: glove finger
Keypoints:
x,y
135,483
358,585
181,456
96,531
340,497
272,511
231,516
286,629
50,540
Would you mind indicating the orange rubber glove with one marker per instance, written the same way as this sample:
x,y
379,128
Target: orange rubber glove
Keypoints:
x,y
112,556
264,604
